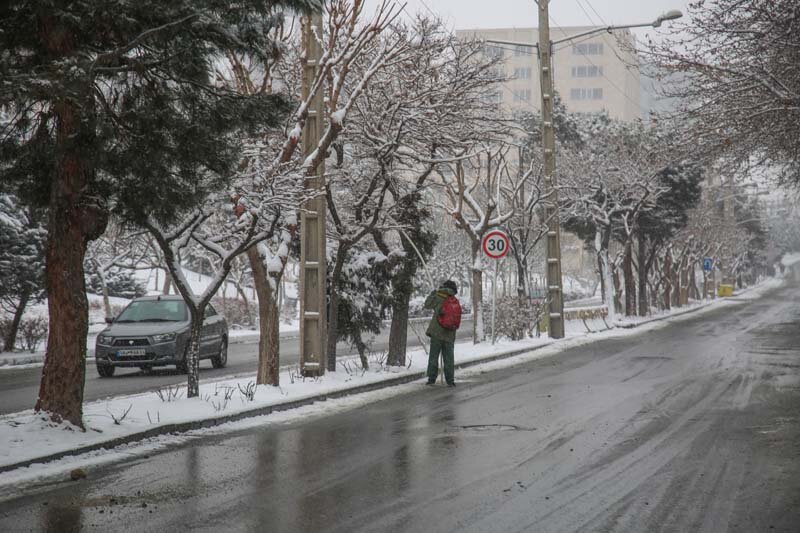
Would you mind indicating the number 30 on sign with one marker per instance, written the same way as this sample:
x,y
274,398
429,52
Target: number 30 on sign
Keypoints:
x,y
495,244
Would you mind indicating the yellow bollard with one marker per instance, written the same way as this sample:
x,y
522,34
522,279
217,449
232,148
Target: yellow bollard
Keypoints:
x,y
724,290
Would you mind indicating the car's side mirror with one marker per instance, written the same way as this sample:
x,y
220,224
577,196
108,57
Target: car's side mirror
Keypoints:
x,y
109,320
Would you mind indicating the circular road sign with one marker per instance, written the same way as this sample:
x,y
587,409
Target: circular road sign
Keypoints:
x,y
495,244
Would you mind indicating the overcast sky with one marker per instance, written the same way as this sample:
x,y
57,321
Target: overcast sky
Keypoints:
x,y
463,14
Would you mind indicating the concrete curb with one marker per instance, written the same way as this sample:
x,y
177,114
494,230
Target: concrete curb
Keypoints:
x,y
665,317
7,361
211,422
741,292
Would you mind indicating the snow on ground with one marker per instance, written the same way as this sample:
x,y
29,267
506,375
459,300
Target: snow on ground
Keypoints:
x,y
26,435
790,259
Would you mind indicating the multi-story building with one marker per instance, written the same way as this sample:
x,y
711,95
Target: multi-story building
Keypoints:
x,y
596,73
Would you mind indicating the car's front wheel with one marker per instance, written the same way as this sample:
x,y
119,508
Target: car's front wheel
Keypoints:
x,y
106,371
221,359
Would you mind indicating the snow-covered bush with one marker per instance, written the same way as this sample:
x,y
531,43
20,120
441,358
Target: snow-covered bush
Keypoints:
x,y
122,283
515,318
416,309
5,328
33,332
363,298
236,312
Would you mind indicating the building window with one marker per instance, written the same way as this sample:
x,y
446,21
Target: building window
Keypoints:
x,y
589,71
495,52
494,97
586,94
522,73
587,49
523,95
520,50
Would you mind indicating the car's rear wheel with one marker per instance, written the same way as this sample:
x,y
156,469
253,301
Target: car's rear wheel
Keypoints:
x,y
106,371
221,359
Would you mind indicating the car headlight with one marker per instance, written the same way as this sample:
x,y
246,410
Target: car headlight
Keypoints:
x,y
105,340
164,337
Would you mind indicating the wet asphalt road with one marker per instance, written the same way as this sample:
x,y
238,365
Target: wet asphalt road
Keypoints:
x,y
691,427
19,388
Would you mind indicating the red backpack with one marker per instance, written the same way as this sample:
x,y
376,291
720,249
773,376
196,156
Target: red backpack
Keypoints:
x,y
450,314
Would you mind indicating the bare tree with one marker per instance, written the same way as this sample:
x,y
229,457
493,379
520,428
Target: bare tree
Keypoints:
x,y
424,111
119,248
732,70
226,233
471,192
353,53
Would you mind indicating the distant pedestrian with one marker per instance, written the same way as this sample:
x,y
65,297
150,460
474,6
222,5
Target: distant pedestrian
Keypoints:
x,y
442,330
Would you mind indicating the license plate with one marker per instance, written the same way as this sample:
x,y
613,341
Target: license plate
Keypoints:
x,y
131,353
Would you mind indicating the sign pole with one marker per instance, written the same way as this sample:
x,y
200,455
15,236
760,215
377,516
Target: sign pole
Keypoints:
x,y
495,246
494,303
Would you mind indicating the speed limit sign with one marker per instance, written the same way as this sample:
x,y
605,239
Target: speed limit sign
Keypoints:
x,y
495,244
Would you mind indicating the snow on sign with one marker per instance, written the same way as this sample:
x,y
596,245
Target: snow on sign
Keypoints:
x,y
495,244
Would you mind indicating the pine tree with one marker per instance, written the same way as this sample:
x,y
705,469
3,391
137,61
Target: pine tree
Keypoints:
x,y
109,106
21,262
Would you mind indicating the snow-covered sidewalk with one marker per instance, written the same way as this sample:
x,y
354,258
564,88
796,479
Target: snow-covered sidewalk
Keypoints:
x,y
27,438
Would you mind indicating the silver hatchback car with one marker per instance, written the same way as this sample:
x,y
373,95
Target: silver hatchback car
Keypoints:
x,y
154,331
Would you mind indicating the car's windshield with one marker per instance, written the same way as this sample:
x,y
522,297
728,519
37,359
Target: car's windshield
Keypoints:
x,y
154,311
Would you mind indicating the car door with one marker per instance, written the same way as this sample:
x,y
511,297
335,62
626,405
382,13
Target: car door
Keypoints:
x,y
210,338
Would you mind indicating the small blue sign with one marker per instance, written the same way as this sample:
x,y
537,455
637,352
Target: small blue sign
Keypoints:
x,y
708,264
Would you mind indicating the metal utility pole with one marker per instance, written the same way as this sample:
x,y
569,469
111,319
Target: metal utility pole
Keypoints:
x,y
555,297
313,265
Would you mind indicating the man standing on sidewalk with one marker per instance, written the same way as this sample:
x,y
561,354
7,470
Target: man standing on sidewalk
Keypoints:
x,y
442,330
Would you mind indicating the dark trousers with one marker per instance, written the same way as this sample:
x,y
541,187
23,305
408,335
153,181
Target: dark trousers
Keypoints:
x,y
446,349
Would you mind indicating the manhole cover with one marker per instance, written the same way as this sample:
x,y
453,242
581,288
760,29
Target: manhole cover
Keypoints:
x,y
486,428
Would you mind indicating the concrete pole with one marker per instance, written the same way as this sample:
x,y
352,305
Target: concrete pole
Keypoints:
x,y
728,204
553,243
313,259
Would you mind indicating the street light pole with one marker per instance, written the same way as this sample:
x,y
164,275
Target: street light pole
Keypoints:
x,y
555,298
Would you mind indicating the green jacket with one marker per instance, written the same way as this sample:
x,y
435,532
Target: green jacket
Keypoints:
x,y
435,301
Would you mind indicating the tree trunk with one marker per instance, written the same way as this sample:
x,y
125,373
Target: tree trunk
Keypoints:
x,y
617,289
522,269
75,218
333,311
167,282
601,273
630,282
477,295
402,287
104,288
685,282
11,336
268,323
643,273
193,355
243,296
668,280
